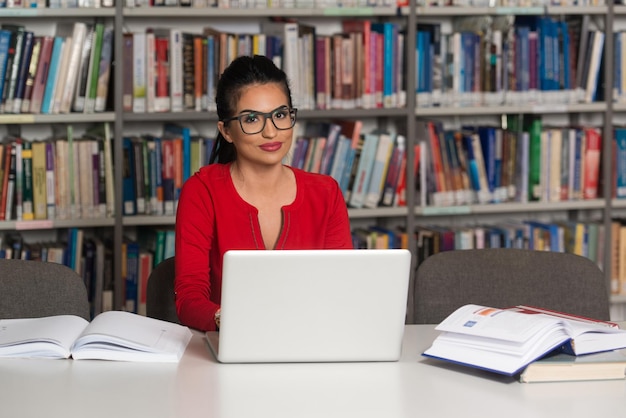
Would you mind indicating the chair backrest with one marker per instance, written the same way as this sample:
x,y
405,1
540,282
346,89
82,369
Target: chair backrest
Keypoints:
x,y
31,289
160,302
503,278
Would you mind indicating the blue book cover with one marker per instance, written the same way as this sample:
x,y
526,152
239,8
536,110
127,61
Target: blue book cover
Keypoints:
x,y
364,170
566,76
20,86
423,57
347,170
337,169
555,48
552,233
523,64
577,190
620,169
5,42
57,49
331,132
158,151
183,132
132,275
128,178
472,165
387,30
544,53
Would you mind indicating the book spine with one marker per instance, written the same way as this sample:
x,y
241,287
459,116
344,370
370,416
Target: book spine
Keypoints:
x,y
162,95
150,70
62,178
91,87
78,37
5,163
22,75
39,179
44,89
28,213
50,181
31,75
128,82
592,156
139,72
14,68
5,48
128,184
9,202
83,70
176,70
104,72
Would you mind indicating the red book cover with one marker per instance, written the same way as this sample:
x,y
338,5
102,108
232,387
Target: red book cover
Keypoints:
x,y
364,27
41,77
379,73
198,71
6,164
592,155
162,100
435,149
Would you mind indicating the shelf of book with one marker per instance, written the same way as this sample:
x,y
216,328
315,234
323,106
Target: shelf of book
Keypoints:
x,y
511,110
252,13
55,224
456,11
83,12
511,207
67,118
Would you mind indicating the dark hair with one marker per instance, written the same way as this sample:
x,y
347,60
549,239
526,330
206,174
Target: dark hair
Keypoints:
x,y
242,72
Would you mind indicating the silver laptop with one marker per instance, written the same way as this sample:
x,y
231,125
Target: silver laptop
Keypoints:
x,y
312,306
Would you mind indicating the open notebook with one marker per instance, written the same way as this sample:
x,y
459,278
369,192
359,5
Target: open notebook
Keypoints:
x,y
312,306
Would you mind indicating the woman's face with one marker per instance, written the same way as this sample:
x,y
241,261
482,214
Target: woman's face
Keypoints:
x,y
270,145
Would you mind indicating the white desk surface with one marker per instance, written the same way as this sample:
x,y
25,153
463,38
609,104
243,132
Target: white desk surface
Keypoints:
x,y
200,387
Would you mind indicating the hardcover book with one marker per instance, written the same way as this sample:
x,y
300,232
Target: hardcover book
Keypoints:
x,y
608,365
505,341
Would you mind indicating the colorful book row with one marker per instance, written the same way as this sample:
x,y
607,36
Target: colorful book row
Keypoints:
x,y
485,164
61,178
362,66
67,72
505,60
369,167
155,168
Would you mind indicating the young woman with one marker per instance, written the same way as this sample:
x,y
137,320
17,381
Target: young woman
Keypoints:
x,y
248,199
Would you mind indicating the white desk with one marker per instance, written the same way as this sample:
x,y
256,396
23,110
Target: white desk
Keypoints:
x,y
200,387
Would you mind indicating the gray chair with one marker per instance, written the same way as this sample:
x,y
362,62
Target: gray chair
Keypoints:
x,y
160,302
32,289
502,278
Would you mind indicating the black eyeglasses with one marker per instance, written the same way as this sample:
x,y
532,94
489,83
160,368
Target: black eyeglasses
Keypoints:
x,y
252,123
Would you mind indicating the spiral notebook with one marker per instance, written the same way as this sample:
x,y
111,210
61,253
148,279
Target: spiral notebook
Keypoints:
x,y
312,306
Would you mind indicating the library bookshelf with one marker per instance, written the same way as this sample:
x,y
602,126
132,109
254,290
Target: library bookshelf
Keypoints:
x,y
404,119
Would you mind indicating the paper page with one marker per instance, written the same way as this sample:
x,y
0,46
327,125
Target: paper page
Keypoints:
x,y
49,337
500,324
118,335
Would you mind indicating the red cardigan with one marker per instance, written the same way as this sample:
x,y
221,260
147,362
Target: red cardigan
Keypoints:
x,y
212,218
